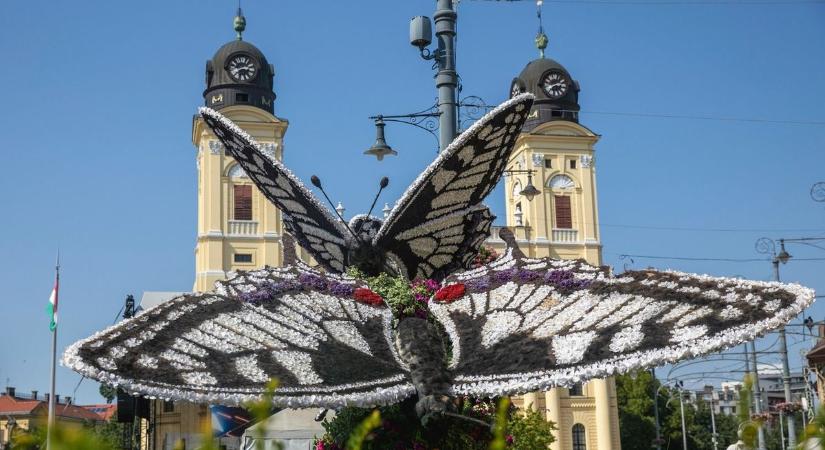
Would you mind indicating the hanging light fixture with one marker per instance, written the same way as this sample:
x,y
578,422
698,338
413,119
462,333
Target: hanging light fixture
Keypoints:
x,y
380,149
529,190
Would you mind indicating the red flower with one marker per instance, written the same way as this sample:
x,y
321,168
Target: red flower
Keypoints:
x,y
367,296
450,292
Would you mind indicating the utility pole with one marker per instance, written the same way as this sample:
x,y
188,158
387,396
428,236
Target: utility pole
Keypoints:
x,y
713,421
682,411
446,79
766,245
658,442
757,403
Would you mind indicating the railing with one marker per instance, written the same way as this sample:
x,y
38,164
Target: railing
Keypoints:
x,y
565,235
521,232
243,228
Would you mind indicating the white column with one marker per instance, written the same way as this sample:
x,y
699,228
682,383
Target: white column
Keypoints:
x,y
605,429
552,399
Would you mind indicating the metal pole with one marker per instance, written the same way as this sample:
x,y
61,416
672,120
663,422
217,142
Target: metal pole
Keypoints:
x,y
446,80
781,430
656,410
50,421
757,404
786,372
712,423
682,413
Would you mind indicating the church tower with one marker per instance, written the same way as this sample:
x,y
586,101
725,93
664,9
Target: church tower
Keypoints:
x,y
551,206
237,227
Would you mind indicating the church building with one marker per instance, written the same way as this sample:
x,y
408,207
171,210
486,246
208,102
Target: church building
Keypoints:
x,y
551,206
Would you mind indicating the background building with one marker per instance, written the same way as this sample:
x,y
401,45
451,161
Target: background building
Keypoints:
x,y
29,412
555,152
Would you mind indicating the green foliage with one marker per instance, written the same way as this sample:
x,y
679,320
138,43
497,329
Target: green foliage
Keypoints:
x,y
530,431
359,434
635,393
500,425
63,438
401,428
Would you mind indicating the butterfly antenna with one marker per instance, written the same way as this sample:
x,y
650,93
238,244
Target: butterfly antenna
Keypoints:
x,y
381,185
317,183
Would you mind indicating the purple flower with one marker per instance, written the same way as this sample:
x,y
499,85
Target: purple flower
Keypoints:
x,y
478,284
421,297
341,289
312,281
526,275
432,285
504,275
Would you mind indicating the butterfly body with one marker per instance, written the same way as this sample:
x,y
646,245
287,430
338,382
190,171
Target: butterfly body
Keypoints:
x,y
363,253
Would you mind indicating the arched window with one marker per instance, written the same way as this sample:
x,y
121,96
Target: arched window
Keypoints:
x,y
516,189
561,182
237,172
579,441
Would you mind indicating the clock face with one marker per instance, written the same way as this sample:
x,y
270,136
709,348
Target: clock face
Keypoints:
x,y
515,89
242,68
555,84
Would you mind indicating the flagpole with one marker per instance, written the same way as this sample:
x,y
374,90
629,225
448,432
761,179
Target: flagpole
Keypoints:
x,y
54,361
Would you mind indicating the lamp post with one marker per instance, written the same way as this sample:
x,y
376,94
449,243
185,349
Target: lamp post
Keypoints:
x,y
529,191
658,441
768,246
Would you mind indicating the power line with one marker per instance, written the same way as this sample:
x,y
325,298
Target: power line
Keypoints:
x,y
722,119
725,230
690,258
675,2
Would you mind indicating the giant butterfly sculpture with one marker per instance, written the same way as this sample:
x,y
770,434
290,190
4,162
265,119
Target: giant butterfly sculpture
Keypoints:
x,y
515,325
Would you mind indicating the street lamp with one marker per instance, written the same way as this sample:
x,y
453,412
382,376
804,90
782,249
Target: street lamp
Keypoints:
x,y
529,190
768,246
380,149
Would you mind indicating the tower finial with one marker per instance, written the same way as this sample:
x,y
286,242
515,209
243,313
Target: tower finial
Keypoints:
x,y
541,38
240,22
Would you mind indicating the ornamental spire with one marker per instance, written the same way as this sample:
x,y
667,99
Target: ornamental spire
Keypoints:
x,y
239,23
541,38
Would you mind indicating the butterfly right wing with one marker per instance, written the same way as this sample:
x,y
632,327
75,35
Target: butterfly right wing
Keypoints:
x,y
518,324
312,225
292,324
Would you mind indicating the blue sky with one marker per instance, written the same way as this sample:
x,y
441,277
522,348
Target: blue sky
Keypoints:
x,y
98,99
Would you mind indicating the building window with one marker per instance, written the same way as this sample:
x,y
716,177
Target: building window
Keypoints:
x,y
168,406
576,390
242,97
561,182
243,258
243,202
564,215
572,163
579,441
548,163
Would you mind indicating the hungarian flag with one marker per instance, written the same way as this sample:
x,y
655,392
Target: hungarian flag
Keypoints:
x,y
52,307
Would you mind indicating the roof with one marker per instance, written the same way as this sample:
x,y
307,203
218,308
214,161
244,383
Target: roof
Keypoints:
x,y
105,410
817,354
14,406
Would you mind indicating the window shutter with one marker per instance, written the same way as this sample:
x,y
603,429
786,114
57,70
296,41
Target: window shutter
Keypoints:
x,y
564,216
243,202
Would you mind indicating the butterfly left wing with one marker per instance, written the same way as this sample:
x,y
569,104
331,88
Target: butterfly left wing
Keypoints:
x,y
312,225
292,324
440,222
524,324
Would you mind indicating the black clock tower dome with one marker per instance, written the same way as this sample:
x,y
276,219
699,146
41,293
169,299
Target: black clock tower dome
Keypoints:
x,y
239,74
557,93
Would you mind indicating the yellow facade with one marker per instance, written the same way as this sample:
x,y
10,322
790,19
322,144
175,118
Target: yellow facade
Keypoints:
x,y
221,237
561,155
